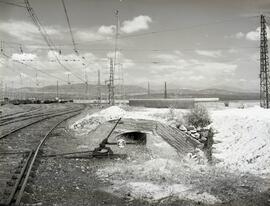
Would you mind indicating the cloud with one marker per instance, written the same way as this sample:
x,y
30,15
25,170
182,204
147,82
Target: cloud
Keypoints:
x,y
216,69
189,71
196,78
239,35
136,24
232,51
255,35
209,53
88,35
23,57
25,31
126,63
106,30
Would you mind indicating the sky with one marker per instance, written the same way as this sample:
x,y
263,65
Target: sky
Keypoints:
x,y
194,44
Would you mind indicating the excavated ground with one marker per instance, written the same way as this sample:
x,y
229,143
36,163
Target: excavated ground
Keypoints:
x,y
62,181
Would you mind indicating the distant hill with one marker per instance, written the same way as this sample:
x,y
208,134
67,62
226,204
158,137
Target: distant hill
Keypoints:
x,y
73,91
205,93
76,91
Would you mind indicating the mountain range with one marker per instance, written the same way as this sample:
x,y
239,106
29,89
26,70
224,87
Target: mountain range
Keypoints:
x,y
83,91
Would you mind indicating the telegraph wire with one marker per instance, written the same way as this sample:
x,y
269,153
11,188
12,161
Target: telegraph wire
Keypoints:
x,y
45,36
132,49
69,26
32,67
12,4
73,41
172,29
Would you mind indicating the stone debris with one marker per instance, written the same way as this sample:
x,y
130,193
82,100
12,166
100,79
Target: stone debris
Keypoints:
x,y
183,128
199,133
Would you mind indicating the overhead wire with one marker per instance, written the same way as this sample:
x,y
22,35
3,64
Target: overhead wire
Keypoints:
x,y
12,4
46,38
15,70
172,29
32,67
69,26
73,40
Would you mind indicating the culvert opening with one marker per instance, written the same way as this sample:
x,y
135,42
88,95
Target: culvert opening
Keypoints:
x,y
134,137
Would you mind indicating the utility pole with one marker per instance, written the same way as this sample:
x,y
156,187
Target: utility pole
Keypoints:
x,y
57,90
12,94
21,89
116,39
2,90
99,89
264,67
36,86
114,63
86,84
6,91
123,83
148,90
165,90
111,83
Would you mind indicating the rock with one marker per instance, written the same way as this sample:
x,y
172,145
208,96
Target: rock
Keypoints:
x,y
197,135
203,139
191,128
207,127
217,142
183,128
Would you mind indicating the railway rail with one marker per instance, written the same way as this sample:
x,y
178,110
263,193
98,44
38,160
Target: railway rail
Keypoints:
x,y
43,117
25,161
18,113
27,115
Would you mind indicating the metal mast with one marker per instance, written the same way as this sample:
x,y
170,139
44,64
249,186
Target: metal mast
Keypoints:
x,y
57,90
113,63
99,89
116,39
2,90
165,90
264,67
111,83
86,84
148,89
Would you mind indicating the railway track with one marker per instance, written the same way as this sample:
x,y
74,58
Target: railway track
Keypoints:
x,y
12,115
41,117
23,163
27,115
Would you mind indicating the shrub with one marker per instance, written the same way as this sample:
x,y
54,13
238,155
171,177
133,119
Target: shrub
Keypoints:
x,y
198,117
171,115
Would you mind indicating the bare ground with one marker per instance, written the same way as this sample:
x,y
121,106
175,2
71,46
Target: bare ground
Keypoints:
x,y
62,181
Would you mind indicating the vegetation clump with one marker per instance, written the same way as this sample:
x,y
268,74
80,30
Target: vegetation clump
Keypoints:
x,y
198,117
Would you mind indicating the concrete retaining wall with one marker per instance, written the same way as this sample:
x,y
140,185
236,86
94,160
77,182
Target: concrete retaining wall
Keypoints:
x,y
163,103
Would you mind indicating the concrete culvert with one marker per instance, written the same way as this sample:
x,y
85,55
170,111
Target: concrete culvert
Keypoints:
x,y
134,137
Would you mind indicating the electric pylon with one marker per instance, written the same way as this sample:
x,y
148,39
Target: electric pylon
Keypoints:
x,y
111,83
99,89
165,90
148,90
264,67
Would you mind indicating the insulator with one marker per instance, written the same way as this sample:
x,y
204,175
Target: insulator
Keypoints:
x,y
21,49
